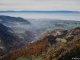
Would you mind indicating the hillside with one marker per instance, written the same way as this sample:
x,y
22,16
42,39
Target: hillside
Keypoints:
x,y
9,39
35,27
7,19
18,24
21,27
55,45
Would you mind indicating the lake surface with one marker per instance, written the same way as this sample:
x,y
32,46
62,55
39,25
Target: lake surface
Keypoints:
x,y
59,16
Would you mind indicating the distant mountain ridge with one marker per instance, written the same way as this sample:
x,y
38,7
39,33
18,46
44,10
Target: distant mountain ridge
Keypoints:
x,y
35,11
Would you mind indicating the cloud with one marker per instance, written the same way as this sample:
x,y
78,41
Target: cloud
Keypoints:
x,y
40,5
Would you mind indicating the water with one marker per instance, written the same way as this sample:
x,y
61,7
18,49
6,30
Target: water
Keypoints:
x,y
60,16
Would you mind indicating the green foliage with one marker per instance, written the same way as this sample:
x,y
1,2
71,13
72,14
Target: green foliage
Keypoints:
x,y
69,38
23,58
39,58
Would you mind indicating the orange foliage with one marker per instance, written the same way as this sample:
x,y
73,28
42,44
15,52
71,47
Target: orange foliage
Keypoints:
x,y
32,49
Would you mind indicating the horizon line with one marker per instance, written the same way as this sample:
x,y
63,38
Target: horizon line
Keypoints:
x,y
39,10
63,11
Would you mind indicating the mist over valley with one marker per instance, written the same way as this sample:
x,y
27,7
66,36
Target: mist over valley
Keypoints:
x,y
22,31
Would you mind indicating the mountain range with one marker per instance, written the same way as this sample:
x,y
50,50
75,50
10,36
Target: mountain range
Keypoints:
x,y
34,11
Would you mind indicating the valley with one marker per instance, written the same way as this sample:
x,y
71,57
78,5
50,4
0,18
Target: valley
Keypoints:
x,y
42,39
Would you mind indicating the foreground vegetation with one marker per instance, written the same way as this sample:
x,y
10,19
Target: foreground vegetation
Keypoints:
x,y
61,46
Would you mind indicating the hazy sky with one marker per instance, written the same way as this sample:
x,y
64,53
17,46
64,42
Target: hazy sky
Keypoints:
x,y
73,5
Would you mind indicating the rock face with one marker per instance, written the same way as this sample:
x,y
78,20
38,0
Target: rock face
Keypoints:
x,y
57,33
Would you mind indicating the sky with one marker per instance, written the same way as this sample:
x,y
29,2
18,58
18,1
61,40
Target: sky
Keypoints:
x,y
71,5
